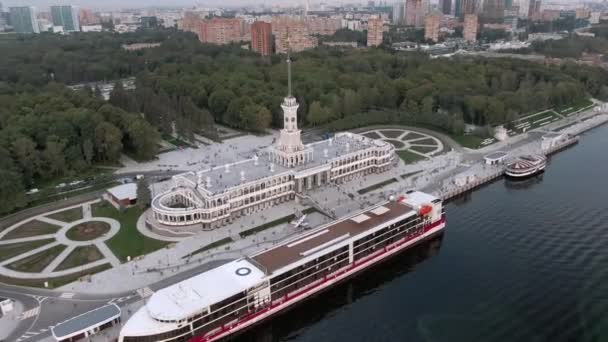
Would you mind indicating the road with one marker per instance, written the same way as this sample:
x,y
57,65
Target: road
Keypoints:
x,y
47,308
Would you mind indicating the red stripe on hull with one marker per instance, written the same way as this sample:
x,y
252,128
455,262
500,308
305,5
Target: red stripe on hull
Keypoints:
x,y
293,298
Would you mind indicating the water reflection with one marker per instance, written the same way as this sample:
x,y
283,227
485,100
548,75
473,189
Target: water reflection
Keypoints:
x,y
526,183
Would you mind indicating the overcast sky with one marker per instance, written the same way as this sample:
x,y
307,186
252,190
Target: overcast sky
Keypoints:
x,y
126,3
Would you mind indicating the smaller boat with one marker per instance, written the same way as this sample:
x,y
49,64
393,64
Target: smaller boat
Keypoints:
x,y
526,166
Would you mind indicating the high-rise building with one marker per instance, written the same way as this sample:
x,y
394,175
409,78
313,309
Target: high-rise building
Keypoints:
x,y
292,34
431,27
66,17
261,38
221,30
471,23
494,10
445,6
534,12
399,13
375,29
322,25
23,19
86,17
464,7
415,11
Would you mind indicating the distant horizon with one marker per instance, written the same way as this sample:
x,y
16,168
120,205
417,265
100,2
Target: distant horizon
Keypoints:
x,y
106,4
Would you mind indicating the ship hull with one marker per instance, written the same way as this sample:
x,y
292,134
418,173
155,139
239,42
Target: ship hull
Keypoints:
x,y
330,280
527,174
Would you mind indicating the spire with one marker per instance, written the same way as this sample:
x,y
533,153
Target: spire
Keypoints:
x,y
288,67
288,75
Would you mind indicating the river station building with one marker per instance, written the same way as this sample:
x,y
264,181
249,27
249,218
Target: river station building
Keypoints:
x,y
285,171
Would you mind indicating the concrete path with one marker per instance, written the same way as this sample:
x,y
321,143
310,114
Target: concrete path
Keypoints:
x,y
86,210
51,221
53,265
27,239
27,254
103,248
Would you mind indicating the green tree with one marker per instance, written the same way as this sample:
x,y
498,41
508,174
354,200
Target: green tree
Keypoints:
x,y
108,141
144,196
13,193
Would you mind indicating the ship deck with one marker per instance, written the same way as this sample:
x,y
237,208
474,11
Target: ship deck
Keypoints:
x,y
325,236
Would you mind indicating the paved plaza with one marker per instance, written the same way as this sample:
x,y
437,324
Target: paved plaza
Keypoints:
x,y
46,233
417,142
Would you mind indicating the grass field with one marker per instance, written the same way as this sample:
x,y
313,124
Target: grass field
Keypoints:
x,y
80,256
409,157
88,231
391,134
469,141
567,110
267,225
54,282
128,241
37,262
423,149
212,245
376,186
14,249
31,228
69,215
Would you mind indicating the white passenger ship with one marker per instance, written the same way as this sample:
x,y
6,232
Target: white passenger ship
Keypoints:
x,y
222,301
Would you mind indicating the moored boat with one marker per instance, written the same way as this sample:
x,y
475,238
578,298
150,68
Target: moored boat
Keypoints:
x,y
232,297
526,166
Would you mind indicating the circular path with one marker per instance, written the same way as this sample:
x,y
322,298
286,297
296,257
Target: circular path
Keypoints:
x,y
420,143
47,234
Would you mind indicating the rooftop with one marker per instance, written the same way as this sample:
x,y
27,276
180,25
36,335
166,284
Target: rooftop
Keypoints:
x,y
224,177
86,321
307,246
124,191
189,297
496,155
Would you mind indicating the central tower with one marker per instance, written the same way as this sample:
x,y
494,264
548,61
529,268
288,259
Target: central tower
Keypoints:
x,y
290,140
289,150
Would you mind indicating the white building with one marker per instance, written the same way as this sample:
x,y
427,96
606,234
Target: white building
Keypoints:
x,y
284,172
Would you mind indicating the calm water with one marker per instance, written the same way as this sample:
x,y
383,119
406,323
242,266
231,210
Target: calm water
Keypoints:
x,y
518,262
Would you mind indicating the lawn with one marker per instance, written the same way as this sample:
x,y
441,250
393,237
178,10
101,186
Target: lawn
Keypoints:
x,y
391,134
54,282
13,249
128,241
376,186
80,256
176,141
267,225
412,135
423,149
69,215
37,262
372,135
569,109
31,228
409,157
212,245
88,231
469,141
409,174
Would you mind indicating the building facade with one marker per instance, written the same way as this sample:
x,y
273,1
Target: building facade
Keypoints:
x,y
464,7
445,6
66,17
471,24
292,34
261,38
415,11
221,31
399,13
431,27
213,197
23,19
375,30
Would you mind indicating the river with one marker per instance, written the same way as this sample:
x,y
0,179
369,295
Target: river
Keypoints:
x,y
524,261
